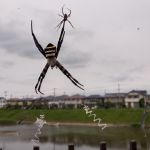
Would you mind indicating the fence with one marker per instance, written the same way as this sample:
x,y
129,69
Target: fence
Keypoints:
x,y
133,145
103,146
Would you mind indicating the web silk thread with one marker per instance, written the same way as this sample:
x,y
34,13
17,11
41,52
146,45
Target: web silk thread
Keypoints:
x,y
90,113
39,123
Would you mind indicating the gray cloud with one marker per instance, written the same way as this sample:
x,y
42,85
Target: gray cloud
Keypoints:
x,y
81,34
136,69
76,59
7,64
14,41
120,77
16,38
2,78
128,74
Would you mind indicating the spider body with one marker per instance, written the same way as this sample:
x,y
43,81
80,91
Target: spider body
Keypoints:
x,y
65,18
52,62
51,53
50,50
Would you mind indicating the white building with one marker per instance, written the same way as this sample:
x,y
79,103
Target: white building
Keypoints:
x,y
133,98
65,101
2,102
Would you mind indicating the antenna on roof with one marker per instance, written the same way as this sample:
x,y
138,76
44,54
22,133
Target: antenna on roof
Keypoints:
x,y
5,94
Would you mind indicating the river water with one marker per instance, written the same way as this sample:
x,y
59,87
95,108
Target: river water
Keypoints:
x,y
84,138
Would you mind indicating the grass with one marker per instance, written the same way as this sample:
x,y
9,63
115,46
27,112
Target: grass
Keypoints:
x,y
124,116
114,116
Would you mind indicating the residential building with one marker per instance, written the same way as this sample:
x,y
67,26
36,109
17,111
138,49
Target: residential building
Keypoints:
x,y
3,102
66,101
133,98
115,99
94,100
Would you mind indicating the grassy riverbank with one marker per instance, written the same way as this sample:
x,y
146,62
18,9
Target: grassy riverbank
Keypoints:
x,y
112,116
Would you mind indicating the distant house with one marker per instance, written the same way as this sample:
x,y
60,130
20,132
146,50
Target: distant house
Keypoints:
x,y
12,101
132,99
65,101
94,100
2,102
116,99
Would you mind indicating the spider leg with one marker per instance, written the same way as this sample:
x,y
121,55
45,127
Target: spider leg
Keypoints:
x,y
69,13
40,79
59,24
70,23
36,41
60,15
72,79
37,85
40,86
61,38
62,9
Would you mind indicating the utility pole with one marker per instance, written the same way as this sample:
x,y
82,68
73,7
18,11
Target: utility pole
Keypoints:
x,y
118,87
118,93
54,92
104,92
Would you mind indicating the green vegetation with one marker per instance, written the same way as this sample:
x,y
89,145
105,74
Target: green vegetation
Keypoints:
x,y
141,103
114,116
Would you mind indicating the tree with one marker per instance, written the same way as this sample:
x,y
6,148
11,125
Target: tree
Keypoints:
x,y
141,103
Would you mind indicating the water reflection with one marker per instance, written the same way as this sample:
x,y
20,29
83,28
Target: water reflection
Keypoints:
x,y
58,138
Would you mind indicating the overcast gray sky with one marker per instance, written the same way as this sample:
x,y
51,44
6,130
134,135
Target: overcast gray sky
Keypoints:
x,y
109,45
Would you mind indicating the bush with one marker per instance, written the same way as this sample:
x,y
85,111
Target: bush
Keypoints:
x,y
141,103
109,104
135,125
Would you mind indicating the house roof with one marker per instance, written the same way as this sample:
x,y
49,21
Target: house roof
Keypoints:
x,y
115,95
2,98
61,97
77,96
94,97
142,92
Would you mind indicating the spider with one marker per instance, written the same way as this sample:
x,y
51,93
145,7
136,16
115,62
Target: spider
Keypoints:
x,y
65,18
51,53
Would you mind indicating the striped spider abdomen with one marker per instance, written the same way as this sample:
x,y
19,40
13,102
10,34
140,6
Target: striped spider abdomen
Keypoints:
x,y
50,50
